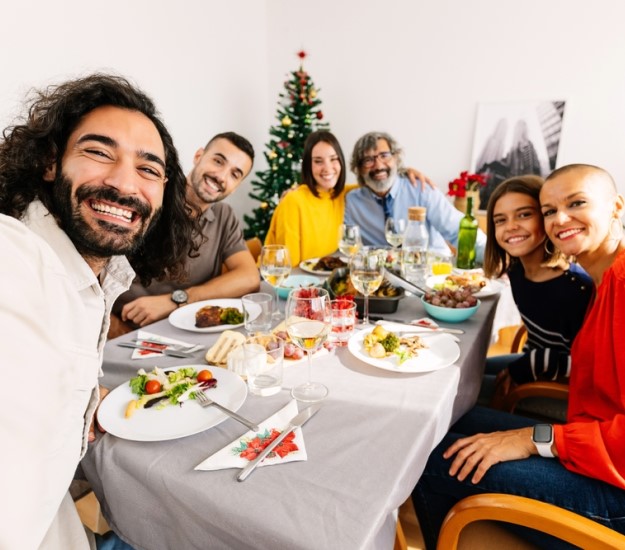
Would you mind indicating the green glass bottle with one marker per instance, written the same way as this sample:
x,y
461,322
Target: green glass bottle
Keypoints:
x,y
467,235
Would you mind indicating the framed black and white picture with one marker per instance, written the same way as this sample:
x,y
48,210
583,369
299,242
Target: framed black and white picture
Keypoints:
x,y
515,138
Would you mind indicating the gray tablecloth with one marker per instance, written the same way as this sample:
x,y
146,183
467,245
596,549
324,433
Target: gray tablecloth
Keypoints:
x,y
366,449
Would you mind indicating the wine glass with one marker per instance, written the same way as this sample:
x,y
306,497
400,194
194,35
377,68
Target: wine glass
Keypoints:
x,y
366,271
275,267
394,231
349,239
308,321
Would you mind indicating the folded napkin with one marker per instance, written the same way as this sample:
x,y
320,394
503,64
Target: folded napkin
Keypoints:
x,y
166,343
246,448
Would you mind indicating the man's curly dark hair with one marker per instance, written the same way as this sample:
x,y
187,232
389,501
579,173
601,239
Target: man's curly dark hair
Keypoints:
x,y
29,148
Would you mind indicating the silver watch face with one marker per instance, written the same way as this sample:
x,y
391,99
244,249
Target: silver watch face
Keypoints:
x,y
179,297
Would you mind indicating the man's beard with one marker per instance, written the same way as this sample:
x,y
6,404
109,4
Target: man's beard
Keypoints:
x,y
197,183
380,186
107,239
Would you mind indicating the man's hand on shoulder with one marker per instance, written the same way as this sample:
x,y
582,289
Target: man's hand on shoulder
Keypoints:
x,y
148,309
417,178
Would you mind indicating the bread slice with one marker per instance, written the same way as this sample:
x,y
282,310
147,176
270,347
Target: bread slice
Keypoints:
x,y
227,341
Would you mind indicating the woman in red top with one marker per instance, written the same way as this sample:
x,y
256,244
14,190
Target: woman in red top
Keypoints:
x,y
585,471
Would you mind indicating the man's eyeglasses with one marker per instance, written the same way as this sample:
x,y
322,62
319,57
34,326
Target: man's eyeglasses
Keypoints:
x,y
368,162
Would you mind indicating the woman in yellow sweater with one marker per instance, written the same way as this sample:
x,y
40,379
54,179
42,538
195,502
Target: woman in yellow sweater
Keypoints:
x,y
307,219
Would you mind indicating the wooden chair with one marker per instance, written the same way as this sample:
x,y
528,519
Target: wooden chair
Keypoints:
x,y
538,389
254,245
527,512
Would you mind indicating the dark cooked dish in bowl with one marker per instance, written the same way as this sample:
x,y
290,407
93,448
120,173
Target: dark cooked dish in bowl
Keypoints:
x,y
384,300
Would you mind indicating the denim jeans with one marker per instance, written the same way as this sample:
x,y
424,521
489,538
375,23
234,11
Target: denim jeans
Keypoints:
x,y
536,477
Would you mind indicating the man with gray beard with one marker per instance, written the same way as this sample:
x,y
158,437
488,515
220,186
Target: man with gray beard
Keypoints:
x,y
385,193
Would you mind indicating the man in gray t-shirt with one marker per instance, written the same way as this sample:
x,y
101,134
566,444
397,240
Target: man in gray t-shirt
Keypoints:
x,y
218,169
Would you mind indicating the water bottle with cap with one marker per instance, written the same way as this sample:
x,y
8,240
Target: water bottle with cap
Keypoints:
x,y
467,235
415,246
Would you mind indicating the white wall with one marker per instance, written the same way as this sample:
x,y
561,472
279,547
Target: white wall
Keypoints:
x,y
203,62
415,68
419,68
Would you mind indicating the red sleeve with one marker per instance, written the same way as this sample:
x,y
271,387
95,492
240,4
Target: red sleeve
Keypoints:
x,y
592,442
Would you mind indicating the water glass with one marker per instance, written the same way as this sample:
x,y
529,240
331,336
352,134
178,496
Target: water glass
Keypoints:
x,y
440,262
264,363
257,311
343,321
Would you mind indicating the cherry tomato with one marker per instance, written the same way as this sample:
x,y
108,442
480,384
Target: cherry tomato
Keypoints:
x,y
204,375
152,386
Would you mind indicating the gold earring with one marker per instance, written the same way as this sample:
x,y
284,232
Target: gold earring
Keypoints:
x,y
550,252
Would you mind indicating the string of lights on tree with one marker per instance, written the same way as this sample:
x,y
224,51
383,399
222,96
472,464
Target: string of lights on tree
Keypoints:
x,y
298,114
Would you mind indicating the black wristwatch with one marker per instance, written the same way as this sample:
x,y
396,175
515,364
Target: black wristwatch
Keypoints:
x,y
179,297
543,439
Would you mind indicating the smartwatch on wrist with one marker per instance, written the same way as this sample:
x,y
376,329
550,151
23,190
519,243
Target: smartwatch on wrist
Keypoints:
x,y
179,297
543,439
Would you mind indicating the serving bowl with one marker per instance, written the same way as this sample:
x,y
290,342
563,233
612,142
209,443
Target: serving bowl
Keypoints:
x,y
450,314
297,281
377,304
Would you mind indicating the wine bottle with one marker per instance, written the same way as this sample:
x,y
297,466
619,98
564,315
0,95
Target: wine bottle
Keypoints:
x,y
467,235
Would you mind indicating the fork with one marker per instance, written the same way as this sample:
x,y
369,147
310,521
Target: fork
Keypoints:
x,y
170,352
206,401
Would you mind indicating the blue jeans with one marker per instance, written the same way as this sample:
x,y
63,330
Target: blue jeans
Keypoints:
x,y
110,541
539,478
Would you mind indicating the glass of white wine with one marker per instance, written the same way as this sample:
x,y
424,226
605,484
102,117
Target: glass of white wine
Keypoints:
x,y
275,267
394,231
350,240
366,271
308,322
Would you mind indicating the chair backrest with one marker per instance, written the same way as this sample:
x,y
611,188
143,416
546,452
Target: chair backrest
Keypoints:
x,y
547,518
519,340
254,245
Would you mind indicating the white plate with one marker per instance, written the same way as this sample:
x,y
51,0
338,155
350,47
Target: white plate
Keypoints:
x,y
441,352
184,317
307,265
172,421
492,286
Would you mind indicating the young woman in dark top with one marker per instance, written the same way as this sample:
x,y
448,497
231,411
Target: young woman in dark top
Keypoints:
x,y
552,294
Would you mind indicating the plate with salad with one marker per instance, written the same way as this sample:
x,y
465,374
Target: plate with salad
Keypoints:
x,y
436,351
160,405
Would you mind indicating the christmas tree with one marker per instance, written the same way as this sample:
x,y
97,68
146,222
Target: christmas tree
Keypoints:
x,y
298,115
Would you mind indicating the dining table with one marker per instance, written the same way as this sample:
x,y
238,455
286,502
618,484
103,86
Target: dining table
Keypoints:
x,y
366,448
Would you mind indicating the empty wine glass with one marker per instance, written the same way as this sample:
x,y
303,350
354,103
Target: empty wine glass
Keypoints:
x,y
308,322
349,239
275,267
366,271
394,231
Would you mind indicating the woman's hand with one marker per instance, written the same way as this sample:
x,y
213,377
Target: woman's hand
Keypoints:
x,y
415,176
479,452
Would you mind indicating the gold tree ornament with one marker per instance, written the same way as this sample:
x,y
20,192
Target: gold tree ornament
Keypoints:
x,y
286,121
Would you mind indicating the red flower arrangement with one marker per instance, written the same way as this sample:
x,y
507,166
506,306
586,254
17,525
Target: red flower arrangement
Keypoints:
x,y
466,182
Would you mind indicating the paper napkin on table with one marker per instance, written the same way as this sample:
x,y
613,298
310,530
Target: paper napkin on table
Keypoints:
x,y
145,354
245,448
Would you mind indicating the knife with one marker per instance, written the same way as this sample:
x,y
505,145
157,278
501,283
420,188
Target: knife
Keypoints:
x,y
169,352
296,422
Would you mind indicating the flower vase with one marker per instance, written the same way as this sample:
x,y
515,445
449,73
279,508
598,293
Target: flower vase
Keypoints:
x,y
461,202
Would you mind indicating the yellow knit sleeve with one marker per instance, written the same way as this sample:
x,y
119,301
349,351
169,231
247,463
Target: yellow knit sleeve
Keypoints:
x,y
285,227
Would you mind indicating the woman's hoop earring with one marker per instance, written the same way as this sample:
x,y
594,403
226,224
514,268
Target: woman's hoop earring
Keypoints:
x,y
619,231
550,252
